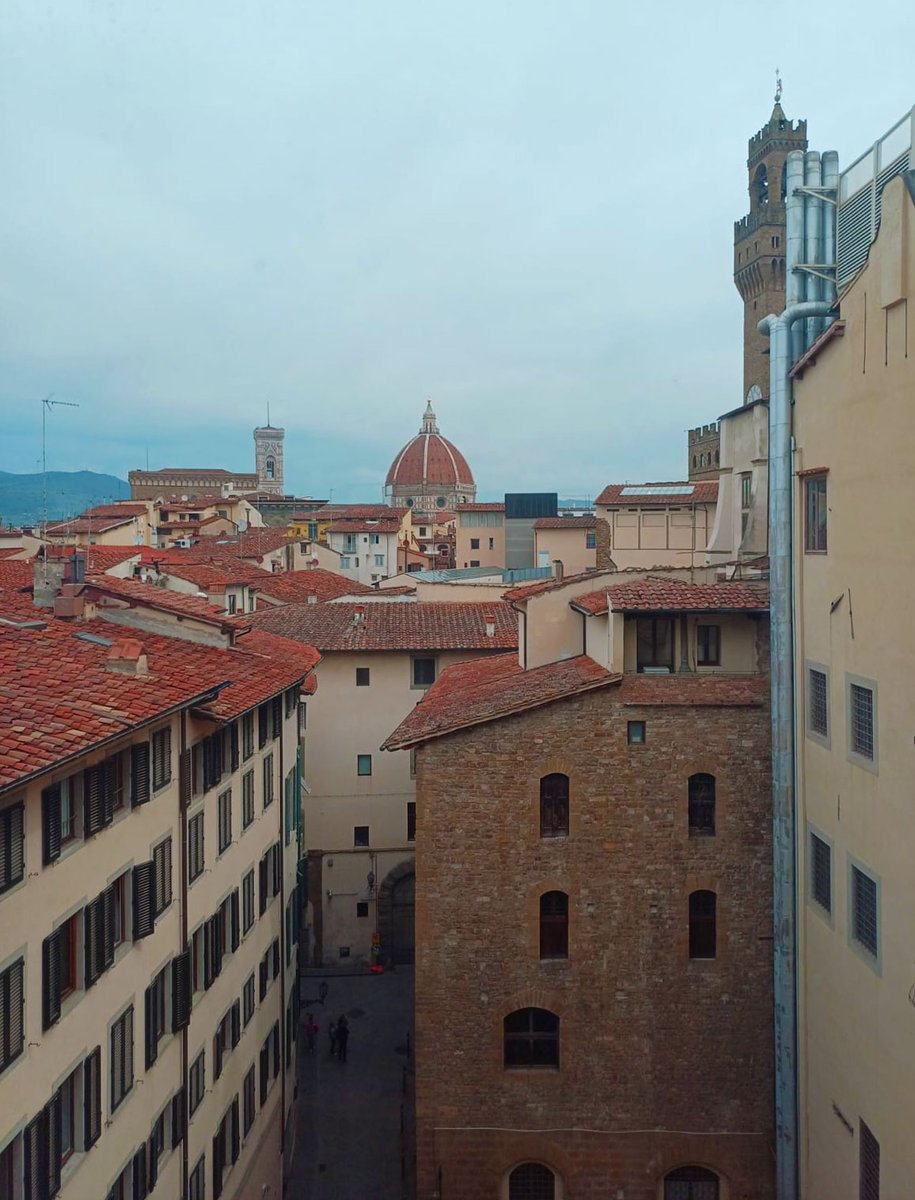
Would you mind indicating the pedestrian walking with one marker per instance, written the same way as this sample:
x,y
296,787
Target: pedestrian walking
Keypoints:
x,y
333,1038
311,1029
342,1038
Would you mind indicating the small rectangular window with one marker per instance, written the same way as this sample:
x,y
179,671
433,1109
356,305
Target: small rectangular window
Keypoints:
x,y
162,874
362,908
590,540
865,921
474,543
817,702
195,847
821,872
121,1058
815,511
423,672
411,820
247,901
247,799
196,1082
225,820
161,758
268,780
708,645
861,720
360,835
362,677
363,764
635,732
12,846
12,1023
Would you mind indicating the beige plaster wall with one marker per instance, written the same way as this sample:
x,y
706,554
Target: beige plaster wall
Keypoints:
x,y
567,545
656,537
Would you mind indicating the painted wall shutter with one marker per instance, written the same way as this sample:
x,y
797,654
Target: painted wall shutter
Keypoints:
x,y
263,867
179,1117
152,1038
109,789
92,1098
50,823
54,1111
181,990
144,900
235,1130
51,949
139,774
109,899
93,787
139,1174
234,934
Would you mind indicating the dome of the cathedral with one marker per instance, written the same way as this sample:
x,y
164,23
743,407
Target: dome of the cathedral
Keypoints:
x,y
430,461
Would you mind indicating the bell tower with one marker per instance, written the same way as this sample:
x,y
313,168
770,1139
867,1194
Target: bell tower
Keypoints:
x,y
759,240
268,458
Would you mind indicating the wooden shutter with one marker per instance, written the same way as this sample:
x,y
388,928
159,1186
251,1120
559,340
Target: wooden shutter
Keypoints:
x,y
262,882
265,1070
275,951
234,933
235,1130
90,952
235,1023
12,852
179,1117
96,909
277,867
181,990
214,933
275,1038
208,975
276,705
233,745
109,900
153,1151
144,900
93,788
139,1174
264,973
50,823
109,773
12,1027
217,1049
92,1098
150,1025
139,774
262,733
35,1142
54,1114
51,949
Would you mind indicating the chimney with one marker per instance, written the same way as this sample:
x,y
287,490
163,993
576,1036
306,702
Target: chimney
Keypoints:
x,y
358,614
47,579
490,624
127,657
312,598
69,604
557,568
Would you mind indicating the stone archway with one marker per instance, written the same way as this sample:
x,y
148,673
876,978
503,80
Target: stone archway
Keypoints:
x,y
395,914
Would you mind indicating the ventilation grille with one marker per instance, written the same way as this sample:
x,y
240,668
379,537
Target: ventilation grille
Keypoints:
x,y
858,221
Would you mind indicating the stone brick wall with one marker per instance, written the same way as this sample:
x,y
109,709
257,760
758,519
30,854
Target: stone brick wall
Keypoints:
x,y
663,1060
603,557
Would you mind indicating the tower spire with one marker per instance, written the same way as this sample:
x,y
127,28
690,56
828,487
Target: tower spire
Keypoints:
x,y
430,424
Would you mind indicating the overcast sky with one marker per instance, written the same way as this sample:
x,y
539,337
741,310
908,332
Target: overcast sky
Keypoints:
x,y
520,208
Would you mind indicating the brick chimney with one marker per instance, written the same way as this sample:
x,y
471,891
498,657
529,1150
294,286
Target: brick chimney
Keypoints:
x,y
490,624
358,614
127,657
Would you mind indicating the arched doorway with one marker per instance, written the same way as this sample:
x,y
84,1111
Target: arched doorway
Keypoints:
x,y
396,904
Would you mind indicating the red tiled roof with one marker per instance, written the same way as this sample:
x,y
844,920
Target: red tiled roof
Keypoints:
x,y
88,525
214,577
366,526
674,595
60,700
696,691
491,688
98,558
566,523
9,551
296,586
16,573
525,590
692,493
398,625
482,506
207,472
352,512
147,595
429,458
120,508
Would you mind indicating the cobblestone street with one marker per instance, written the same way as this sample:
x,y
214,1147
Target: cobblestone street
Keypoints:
x,y
355,1139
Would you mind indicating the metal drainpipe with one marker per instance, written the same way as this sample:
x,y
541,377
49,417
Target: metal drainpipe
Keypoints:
x,y
830,175
183,800
812,238
784,834
284,1032
794,250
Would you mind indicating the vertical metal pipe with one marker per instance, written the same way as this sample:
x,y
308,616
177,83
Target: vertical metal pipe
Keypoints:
x,y
784,833
830,175
794,250
812,236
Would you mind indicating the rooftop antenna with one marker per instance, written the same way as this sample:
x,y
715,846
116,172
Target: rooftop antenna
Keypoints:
x,y
47,403
268,414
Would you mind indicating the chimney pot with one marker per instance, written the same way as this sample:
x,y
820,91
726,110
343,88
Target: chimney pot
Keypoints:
x,y
358,614
490,625
127,657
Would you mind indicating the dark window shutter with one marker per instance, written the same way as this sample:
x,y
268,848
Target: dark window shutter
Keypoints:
x,y
262,734
276,705
12,1013
152,1038
265,1071
185,778
90,950
235,936
214,933
12,846
275,1038
152,1155
208,975
263,866
139,1174
139,774
94,922
109,771
275,950
235,1130
109,899
50,823
50,988
277,867
93,786
264,976
179,1117
181,990
35,1139
144,900
217,1051
217,1165
92,1098
233,745
235,1023
54,1116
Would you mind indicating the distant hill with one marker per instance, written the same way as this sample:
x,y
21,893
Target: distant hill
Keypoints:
x,y
69,492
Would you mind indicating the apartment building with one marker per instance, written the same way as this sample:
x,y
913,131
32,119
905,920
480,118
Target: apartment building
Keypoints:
x,y
370,548
854,496
480,535
148,904
658,524
378,658
593,902
577,544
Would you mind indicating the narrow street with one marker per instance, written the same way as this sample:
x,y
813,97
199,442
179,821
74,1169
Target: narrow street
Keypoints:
x,y
350,1142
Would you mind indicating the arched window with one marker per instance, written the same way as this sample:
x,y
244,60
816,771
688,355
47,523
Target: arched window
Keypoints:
x,y
531,1038
532,1181
761,184
270,468
554,925
703,922
701,805
691,1183
695,462
554,806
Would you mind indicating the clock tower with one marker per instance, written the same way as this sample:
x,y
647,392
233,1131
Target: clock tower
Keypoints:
x,y
268,458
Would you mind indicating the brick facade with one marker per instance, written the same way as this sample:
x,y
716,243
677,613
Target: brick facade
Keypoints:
x,y
664,1060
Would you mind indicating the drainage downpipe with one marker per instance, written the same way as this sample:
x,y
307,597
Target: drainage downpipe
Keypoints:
x,y
794,249
778,329
812,240
830,165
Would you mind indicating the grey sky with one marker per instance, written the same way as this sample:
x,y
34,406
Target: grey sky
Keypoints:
x,y
523,209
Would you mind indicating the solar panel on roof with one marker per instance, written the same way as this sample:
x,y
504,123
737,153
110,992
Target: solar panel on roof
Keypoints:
x,y
678,490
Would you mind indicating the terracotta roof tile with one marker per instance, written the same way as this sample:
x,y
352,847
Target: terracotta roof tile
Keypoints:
x,y
396,625
525,590
147,595
483,506
296,586
690,493
566,523
488,689
695,691
368,525
673,595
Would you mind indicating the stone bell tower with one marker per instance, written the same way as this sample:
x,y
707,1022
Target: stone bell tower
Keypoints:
x,y
268,458
759,241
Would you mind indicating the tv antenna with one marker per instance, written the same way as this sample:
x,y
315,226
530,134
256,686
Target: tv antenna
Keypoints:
x,y
47,403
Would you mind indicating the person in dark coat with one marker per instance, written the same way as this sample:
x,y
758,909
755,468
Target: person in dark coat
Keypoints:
x,y
342,1038
332,1031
